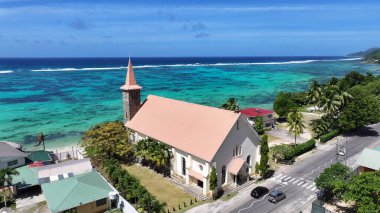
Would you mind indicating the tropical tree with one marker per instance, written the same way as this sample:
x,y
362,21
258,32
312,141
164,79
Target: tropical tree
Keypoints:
x,y
158,154
259,126
295,123
364,189
333,100
213,179
6,177
283,104
107,140
264,150
231,104
314,94
331,179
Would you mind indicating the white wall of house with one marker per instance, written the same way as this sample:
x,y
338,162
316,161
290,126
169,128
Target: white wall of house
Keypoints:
x,y
10,162
242,134
268,120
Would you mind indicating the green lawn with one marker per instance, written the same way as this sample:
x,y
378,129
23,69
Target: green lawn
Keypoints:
x,y
161,188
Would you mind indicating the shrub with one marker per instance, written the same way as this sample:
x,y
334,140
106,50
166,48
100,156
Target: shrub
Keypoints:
x,y
328,136
283,104
286,152
130,187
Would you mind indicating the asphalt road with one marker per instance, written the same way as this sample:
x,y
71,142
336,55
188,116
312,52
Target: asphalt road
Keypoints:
x,y
297,180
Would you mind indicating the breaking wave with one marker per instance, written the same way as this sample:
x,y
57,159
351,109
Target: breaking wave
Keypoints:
x,y
191,65
5,71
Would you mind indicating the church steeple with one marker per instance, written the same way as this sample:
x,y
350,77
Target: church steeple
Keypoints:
x,y
131,94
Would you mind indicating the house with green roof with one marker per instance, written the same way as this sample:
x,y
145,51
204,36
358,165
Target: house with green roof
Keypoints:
x,y
369,160
85,193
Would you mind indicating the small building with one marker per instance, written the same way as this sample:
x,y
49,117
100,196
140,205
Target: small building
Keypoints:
x,y
200,137
10,157
84,193
40,156
252,113
369,160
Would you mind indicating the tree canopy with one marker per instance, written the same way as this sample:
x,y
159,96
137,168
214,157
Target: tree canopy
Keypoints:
x,y
107,140
283,104
231,104
364,189
330,178
259,126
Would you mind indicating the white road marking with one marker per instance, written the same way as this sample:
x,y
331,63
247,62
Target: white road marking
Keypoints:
x,y
303,186
313,189
291,180
286,179
300,183
309,186
279,176
296,181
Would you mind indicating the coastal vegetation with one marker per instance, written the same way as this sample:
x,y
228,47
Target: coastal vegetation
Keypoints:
x,y
107,140
295,123
371,55
154,154
6,177
339,182
285,153
346,104
131,189
144,186
264,150
231,104
259,126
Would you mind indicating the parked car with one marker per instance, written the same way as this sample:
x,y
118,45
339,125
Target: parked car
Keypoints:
x,y
259,191
276,196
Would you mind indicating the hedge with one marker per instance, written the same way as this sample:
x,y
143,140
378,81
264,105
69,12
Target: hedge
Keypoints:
x,y
328,136
131,189
287,152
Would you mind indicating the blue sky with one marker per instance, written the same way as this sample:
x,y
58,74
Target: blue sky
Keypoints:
x,y
32,28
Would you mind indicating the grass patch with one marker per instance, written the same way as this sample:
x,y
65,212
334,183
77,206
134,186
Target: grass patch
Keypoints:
x,y
272,138
161,188
228,196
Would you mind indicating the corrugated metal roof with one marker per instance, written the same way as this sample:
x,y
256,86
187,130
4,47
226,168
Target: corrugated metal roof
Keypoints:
x,y
27,177
40,155
369,158
75,191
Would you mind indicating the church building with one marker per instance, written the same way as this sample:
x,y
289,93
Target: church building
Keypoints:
x,y
201,137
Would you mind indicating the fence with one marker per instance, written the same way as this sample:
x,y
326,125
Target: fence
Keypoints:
x,y
68,155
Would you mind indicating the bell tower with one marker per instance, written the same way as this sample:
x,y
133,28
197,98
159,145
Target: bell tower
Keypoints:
x,y
131,94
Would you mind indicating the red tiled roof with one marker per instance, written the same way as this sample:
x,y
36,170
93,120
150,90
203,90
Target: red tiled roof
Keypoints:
x,y
254,112
236,165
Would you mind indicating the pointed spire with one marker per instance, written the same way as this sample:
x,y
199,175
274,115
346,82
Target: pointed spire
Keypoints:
x,y
130,80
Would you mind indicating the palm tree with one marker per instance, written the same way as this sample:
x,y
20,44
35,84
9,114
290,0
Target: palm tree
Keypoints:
x,y
295,125
333,100
231,104
315,93
6,177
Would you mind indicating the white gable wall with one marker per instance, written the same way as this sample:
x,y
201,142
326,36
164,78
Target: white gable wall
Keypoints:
x,y
4,162
242,134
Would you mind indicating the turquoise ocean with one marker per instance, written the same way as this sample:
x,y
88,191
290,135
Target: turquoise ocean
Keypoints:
x,y
63,97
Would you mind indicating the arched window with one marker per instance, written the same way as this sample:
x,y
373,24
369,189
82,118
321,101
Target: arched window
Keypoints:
x,y
223,174
249,159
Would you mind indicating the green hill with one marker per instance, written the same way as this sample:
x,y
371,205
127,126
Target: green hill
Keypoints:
x,y
369,56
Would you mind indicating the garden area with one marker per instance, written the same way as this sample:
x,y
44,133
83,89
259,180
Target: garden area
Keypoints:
x,y
161,188
138,170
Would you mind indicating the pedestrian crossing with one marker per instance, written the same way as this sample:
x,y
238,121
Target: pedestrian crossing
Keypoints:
x,y
288,180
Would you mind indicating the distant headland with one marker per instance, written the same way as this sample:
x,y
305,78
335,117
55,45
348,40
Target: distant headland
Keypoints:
x,y
371,55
